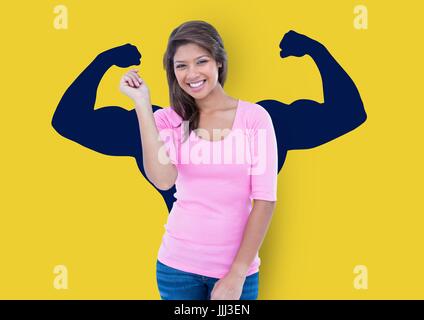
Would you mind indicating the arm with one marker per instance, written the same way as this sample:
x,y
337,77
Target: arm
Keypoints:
x,y
254,234
231,286
306,123
157,164
263,185
109,130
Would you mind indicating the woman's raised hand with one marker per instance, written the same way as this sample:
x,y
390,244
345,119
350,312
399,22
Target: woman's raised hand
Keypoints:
x,y
134,87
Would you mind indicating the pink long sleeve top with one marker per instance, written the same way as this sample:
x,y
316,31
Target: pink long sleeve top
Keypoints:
x,y
216,183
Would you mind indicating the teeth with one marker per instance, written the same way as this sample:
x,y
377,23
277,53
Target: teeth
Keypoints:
x,y
196,84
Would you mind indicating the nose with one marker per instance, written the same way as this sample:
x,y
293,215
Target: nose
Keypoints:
x,y
192,73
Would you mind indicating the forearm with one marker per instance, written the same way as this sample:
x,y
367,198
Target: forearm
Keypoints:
x,y
81,94
79,99
253,236
159,170
339,90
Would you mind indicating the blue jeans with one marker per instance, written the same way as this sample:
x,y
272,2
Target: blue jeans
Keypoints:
x,y
174,284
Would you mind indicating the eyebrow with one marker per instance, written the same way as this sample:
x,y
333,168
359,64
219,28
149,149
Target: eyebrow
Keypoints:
x,y
205,55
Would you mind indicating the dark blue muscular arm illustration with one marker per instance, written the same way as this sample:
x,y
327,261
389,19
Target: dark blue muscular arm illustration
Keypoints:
x,y
305,123
110,130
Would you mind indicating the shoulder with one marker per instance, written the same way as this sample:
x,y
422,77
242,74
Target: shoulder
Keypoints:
x,y
254,114
168,117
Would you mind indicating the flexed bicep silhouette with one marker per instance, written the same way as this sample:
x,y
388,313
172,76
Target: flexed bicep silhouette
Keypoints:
x,y
110,130
304,124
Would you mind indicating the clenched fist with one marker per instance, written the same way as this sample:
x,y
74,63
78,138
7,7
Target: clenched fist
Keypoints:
x,y
134,87
295,44
123,56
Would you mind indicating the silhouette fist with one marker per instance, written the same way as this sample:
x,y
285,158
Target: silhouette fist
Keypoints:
x,y
123,56
295,44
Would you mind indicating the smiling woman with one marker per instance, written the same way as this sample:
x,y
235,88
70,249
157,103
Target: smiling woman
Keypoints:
x,y
212,229
194,74
213,233
196,66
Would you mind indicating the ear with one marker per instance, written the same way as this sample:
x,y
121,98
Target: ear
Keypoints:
x,y
219,65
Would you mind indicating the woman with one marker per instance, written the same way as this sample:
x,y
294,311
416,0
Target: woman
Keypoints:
x,y
221,153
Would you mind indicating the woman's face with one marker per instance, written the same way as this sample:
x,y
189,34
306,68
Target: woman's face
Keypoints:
x,y
195,69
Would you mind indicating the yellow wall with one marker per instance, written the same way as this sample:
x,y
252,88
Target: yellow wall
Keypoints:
x,y
354,201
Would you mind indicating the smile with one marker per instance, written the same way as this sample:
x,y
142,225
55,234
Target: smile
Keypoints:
x,y
195,86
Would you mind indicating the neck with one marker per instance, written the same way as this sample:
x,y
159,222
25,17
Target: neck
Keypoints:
x,y
215,100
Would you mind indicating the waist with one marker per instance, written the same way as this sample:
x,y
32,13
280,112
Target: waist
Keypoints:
x,y
209,260
206,225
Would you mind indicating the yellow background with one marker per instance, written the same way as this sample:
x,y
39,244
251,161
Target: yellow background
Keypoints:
x,y
354,201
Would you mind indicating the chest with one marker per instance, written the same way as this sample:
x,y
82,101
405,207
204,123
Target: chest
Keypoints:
x,y
216,126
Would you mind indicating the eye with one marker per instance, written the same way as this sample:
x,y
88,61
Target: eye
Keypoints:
x,y
180,66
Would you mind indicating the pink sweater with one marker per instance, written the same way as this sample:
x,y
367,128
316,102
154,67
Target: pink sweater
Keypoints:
x,y
216,183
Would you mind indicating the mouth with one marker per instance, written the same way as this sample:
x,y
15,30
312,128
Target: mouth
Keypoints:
x,y
196,86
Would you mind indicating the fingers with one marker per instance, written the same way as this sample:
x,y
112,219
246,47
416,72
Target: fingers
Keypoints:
x,y
133,79
134,75
284,54
136,54
128,81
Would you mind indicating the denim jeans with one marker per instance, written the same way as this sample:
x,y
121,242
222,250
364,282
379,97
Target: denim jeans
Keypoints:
x,y
174,284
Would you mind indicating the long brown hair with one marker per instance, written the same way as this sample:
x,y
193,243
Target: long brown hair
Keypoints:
x,y
206,36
